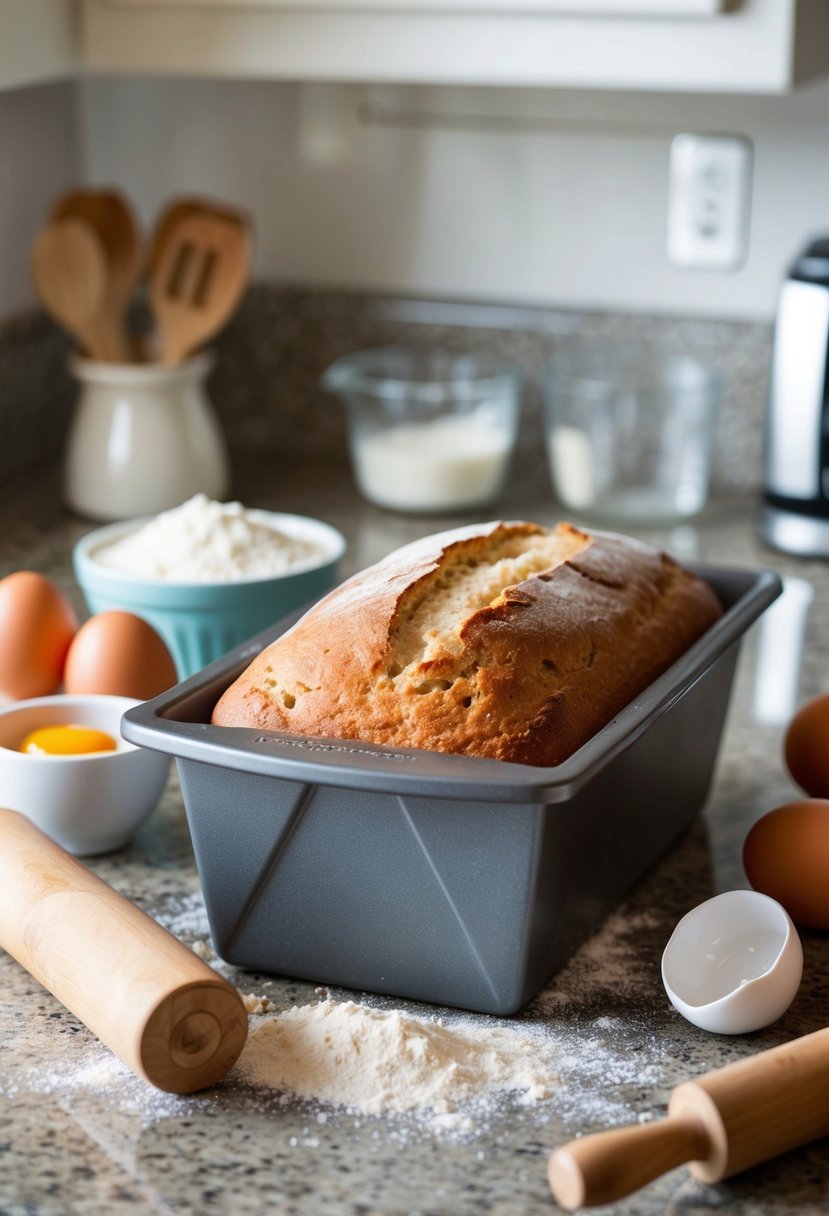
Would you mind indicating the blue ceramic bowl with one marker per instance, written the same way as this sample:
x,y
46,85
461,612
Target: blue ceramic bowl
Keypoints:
x,y
202,621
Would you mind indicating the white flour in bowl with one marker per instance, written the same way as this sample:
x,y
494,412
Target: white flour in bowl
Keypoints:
x,y
207,542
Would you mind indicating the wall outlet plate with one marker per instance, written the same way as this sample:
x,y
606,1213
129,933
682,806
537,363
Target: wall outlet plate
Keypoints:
x,y
709,201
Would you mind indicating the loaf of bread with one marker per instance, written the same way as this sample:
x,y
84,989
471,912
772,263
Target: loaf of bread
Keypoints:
x,y
505,640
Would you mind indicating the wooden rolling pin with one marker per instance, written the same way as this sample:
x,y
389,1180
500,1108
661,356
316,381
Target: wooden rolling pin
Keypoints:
x,y
721,1124
161,1009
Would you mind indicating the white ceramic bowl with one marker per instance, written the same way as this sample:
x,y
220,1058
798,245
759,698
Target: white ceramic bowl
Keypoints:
x,y
88,803
734,963
202,621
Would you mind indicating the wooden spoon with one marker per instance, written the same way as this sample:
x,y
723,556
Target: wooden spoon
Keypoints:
x,y
111,217
198,277
68,266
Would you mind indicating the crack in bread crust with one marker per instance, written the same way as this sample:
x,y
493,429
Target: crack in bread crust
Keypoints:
x,y
430,626
504,640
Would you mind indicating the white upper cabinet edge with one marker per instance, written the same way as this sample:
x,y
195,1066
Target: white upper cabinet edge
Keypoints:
x,y
691,46
570,8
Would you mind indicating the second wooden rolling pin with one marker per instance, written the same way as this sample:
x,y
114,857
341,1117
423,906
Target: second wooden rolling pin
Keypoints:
x,y
162,1010
721,1124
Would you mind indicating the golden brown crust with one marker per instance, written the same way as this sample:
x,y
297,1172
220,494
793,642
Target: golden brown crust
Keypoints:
x,y
503,640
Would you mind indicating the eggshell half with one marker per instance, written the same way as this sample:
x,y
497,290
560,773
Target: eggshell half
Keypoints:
x,y
786,856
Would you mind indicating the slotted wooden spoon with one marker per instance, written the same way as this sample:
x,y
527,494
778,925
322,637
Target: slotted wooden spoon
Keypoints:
x,y
110,216
69,271
169,219
197,278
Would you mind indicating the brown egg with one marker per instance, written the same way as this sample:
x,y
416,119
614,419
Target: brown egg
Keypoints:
x,y
786,856
37,623
120,654
806,747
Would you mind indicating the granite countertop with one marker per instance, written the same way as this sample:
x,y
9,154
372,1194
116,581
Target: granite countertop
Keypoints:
x,y
79,1135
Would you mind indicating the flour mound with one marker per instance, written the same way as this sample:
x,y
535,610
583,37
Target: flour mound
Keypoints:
x,y
203,541
377,1061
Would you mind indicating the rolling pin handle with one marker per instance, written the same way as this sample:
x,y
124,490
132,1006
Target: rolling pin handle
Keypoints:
x,y
161,1009
604,1167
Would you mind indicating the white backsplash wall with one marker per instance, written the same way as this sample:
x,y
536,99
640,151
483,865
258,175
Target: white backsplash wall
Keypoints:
x,y
38,160
554,198
551,198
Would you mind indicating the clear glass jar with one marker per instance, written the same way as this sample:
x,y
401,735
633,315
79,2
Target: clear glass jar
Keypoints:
x,y
429,431
142,438
629,429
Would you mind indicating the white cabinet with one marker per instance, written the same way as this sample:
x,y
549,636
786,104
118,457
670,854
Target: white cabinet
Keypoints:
x,y
717,46
38,41
571,8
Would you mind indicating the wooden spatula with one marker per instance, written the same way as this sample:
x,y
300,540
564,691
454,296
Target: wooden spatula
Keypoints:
x,y
197,279
171,216
722,1124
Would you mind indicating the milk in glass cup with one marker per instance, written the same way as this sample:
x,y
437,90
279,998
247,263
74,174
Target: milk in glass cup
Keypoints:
x,y
429,431
628,431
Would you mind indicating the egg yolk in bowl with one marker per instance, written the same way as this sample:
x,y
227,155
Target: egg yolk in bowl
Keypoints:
x,y
67,740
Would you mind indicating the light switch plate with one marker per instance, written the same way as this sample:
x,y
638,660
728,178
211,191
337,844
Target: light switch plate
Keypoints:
x,y
709,201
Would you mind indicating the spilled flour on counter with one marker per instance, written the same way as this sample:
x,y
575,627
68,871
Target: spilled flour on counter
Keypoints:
x,y
588,1051
184,916
588,1033
383,1061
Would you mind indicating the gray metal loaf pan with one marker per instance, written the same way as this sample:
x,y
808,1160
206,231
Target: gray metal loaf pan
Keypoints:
x,y
443,878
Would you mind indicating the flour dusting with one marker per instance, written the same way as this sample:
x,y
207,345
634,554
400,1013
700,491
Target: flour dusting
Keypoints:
x,y
580,1052
184,916
380,1061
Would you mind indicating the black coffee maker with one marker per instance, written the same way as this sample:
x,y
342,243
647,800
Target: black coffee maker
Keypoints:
x,y
794,516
